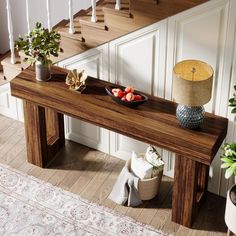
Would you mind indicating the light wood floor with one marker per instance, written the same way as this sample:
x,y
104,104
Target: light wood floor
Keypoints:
x,y
91,174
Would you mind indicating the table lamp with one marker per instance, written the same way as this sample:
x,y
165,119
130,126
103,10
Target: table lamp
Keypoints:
x,y
192,87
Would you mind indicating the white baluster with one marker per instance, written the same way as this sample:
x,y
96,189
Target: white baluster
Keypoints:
x,y
27,15
118,6
94,16
71,29
10,31
49,15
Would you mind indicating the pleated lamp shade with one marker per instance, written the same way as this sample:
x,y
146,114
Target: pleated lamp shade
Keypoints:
x,y
192,83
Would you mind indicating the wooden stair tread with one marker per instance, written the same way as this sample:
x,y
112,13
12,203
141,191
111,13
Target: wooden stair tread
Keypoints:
x,y
70,48
154,2
124,11
64,30
86,20
162,10
76,35
6,62
114,2
2,80
2,57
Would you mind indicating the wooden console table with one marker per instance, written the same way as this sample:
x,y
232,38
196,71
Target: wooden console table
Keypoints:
x,y
153,122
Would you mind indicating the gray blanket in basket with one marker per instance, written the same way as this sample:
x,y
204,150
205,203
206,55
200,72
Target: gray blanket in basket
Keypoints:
x,y
125,189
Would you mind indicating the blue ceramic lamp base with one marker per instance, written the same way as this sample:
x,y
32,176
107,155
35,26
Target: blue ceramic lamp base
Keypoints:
x,y
190,117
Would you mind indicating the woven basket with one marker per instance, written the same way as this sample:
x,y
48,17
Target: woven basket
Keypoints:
x,y
148,188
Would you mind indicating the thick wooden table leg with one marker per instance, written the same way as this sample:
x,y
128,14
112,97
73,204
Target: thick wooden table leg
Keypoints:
x,y
184,199
203,176
55,131
190,186
44,133
35,131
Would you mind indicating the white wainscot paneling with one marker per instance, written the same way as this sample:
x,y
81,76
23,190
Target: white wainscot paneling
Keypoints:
x,y
200,33
10,106
95,63
138,59
227,89
7,102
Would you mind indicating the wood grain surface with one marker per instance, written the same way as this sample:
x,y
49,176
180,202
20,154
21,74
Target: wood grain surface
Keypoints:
x,y
153,122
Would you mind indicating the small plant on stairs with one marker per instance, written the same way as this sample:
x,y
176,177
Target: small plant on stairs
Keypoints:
x,y
38,46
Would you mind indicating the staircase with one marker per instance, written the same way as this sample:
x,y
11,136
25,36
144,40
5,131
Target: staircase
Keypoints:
x,y
110,24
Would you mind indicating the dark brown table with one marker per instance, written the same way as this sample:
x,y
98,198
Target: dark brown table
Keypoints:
x,y
153,122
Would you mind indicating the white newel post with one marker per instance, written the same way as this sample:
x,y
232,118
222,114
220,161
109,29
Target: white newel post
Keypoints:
x,y
117,7
27,15
94,16
71,29
49,15
10,31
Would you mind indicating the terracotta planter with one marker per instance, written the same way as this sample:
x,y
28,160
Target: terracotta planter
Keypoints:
x,y
42,71
230,213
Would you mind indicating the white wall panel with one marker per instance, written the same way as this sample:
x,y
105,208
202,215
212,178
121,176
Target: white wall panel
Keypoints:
x,y
7,102
200,34
138,60
95,63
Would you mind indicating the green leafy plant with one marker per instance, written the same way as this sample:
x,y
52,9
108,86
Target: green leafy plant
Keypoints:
x,y
228,155
39,45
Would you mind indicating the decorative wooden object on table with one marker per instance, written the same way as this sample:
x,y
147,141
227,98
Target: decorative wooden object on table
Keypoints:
x,y
154,122
76,80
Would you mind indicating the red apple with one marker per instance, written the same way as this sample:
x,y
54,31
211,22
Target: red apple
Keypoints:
x,y
124,98
130,97
118,93
138,98
129,89
114,90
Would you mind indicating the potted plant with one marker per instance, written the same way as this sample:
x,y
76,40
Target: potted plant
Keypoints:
x,y
38,46
228,157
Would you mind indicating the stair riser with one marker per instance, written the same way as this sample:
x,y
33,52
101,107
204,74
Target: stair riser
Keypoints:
x,y
143,19
140,8
125,12
10,72
122,24
76,36
102,36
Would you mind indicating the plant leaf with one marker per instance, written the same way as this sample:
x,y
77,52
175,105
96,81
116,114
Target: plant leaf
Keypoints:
x,y
225,165
233,111
227,160
229,172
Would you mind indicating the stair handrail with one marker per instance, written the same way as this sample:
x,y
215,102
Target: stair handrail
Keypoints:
x,y
94,14
27,15
49,14
118,5
71,17
10,31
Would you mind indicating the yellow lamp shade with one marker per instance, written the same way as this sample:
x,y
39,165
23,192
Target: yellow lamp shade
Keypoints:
x,y
192,82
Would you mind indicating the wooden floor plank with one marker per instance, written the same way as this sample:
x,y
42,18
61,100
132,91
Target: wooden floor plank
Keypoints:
x,y
92,174
97,181
101,197
84,179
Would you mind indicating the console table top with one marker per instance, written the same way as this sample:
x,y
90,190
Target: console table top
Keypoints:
x,y
153,122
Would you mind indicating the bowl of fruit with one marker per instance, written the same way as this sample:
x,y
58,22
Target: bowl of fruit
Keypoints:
x,y
126,96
